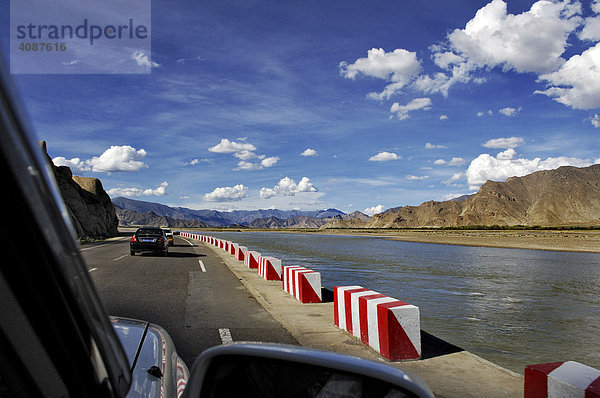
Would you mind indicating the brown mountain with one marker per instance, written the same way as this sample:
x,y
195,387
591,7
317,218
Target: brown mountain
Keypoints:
x,y
151,219
89,206
565,196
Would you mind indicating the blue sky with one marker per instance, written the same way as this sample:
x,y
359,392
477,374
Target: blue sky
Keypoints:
x,y
353,105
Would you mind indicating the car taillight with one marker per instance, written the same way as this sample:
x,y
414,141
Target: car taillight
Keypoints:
x,y
133,239
161,239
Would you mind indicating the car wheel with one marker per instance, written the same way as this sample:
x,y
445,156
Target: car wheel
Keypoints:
x,y
132,252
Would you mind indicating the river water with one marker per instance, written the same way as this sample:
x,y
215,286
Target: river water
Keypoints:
x,y
512,307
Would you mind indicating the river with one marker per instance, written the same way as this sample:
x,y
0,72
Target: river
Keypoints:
x,y
512,307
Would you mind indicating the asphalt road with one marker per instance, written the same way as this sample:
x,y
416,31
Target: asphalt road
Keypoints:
x,y
191,293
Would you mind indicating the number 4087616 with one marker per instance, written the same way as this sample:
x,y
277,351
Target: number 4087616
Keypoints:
x,y
47,47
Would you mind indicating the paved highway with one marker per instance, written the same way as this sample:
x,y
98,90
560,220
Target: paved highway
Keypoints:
x,y
191,293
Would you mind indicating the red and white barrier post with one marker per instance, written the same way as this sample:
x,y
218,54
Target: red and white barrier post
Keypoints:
x,y
302,283
389,326
561,379
251,259
269,268
240,252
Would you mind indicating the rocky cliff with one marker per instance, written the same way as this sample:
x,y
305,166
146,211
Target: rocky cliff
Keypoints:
x,y
565,196
90,208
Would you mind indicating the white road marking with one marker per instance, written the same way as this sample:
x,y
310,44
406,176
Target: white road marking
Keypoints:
x,y
190,243
225,336
93,247
118,258
93,269
202,267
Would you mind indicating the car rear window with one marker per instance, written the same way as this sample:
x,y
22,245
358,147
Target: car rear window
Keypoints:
x,y
149,232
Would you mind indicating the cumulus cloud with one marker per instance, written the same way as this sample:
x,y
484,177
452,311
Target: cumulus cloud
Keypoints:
x,y
75,164
429,145
529,42
503,143
247,155
452,162
142,59
309,152
192,162
506,164
508,111
226,146
397,67
384,157
115,158
288,187
227,194
444,117
269,162
577,83
596,120
402,111
374,210
134,192
243,165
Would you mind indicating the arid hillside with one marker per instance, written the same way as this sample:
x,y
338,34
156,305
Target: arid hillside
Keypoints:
x,y
565,196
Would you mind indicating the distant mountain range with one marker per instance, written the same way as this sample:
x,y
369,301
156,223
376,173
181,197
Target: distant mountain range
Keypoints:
x,y
567,196
137,212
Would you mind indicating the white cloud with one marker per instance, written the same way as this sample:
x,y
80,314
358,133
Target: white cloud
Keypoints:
x,y
384,157
269,162
243,165
416,178
429,145
398,67
115,158
506,164
452,162
455,177
134,192
142,59
226,146
309,152
192,162
119,158
444,117
159,191
227,194
374,210
508,111
480,114
577,83
596,120
504,143
402,111
532,41
288,187
247,155
75,164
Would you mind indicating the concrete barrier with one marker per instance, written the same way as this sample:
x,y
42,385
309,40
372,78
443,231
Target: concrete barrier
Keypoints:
x,y
561,379
389,326
302,283
269,268
240,252
251,259
232,247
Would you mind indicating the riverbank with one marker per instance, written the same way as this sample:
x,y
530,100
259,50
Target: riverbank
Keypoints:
x,y
566,240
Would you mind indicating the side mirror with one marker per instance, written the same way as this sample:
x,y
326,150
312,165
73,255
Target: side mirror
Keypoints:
x,y
272,370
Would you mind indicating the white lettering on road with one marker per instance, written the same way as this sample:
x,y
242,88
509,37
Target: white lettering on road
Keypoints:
x,y
225,336
202,267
